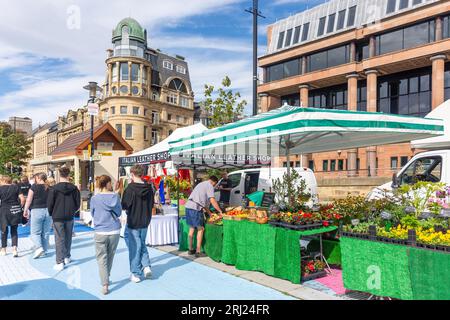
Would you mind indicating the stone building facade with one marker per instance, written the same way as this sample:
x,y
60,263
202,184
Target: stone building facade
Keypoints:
x,y
147,94
19,124
391,56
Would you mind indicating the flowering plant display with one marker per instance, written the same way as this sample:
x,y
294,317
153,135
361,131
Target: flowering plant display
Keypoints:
x,y
312,266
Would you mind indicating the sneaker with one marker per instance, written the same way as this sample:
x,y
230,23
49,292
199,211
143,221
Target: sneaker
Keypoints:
x,y
39,253
67,261
147,272
135,279
105,290
58,267
3,252
15,253
191,252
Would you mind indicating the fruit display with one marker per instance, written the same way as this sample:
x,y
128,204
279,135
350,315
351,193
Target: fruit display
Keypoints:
x,y
237,213
215,219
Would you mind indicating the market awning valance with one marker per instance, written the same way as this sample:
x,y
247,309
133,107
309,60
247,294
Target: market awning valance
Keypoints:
x,y
306,130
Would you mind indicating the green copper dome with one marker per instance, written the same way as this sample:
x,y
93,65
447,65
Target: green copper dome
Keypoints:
x,y
136,32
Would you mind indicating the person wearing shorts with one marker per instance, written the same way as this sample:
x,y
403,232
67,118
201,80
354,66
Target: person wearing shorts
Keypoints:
x,y
201,197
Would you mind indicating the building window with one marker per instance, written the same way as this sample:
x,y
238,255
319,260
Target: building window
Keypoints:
x,y
333,165
340,164
311,164
124,89
169,117
283,70
291,100
341,20
325,165
391,4
305,31
155,95
145,133
291,163
119,129
124,71
123,110
362,51
329,98
416,2
145,112
167,65
321,28
129,131
178,118
403,4
351,16
105,115
331,19
297,164
446,27
405,93
394,162
329,58
178,85
403,161
280,40
155,117
287,43
296,35
154,136
172,98
447,81
113,110
181,69
135,110
405,38
135,72
115,73
362,95
184,102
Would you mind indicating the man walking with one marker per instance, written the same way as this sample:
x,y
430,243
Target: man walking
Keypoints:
x,y
63,203
138,200
200,199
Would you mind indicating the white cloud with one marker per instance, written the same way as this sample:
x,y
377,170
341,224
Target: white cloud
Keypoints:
x,y
37,31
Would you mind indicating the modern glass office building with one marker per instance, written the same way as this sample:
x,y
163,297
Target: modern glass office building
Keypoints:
x,y
386,55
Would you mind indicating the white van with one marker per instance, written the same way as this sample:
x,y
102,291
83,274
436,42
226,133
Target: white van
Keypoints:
x,y
430,166
247,181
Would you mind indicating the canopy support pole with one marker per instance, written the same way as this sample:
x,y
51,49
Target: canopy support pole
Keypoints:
x,y
178,201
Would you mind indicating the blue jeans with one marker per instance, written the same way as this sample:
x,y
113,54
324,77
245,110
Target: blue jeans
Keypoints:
x,y
41,223
137,250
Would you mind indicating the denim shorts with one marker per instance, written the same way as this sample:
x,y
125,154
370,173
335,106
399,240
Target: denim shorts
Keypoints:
x,y
195,218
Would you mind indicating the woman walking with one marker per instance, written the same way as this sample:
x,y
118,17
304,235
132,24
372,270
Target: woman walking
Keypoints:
x,y
41,221
11,202
106,210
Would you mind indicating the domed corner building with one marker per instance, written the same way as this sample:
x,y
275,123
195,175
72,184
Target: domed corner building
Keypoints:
x,y
147,94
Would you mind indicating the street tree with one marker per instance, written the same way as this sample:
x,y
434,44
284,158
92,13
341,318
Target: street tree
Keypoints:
x,y
14,150
222,105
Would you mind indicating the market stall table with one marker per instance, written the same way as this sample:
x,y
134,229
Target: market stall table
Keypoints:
x,y
163,230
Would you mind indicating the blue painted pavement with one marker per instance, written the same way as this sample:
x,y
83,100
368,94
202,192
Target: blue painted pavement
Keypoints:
x,y
173,278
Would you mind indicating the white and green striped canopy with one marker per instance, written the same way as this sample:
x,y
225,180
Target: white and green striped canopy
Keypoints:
x,y
305,130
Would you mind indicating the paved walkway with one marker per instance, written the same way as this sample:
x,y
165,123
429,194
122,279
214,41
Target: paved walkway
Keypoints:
x,y
175,276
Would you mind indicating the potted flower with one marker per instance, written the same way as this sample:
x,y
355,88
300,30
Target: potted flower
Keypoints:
x,y
312,269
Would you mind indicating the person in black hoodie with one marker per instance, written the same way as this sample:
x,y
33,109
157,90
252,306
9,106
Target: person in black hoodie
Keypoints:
x,y
63,203
138,201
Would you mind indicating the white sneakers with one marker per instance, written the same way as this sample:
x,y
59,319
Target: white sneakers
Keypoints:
x,y
147,272
135,279
67,261
58,267
39,253
3,252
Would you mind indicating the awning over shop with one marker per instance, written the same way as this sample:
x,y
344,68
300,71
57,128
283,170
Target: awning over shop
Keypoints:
x,y
300,130
160,152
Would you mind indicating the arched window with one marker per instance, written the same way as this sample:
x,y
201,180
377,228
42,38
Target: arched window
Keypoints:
x,y
177,84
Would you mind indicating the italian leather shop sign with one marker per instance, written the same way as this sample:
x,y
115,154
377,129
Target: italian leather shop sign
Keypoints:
x,y
145,159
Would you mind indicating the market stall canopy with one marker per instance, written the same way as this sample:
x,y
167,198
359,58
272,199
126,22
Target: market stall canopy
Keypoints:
x,y
160,151
297,130
440,142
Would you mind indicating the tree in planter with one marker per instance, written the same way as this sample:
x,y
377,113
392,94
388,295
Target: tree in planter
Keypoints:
x,y
14,149
419,194
291,191
226,107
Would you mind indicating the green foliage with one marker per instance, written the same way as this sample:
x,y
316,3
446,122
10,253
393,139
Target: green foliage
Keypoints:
x,y
291,191
182,191
223,105
352,207
418,194
14,149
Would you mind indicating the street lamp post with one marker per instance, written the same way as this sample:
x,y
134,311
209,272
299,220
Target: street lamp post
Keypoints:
x,y
93,88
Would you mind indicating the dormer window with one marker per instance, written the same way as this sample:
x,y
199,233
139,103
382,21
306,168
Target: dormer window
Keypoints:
x,y
167,65
181,69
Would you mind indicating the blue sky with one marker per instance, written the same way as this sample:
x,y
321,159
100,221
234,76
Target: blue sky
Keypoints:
x,y
51,48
